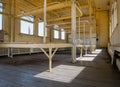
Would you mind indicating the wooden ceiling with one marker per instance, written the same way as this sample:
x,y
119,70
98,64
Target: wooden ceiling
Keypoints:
x,y
58,11
55,8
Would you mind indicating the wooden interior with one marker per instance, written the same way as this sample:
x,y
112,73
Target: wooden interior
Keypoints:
x,y
88,25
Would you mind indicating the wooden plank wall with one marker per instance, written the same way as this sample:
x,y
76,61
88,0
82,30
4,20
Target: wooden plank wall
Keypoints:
x,y
18,37
102,28
115,37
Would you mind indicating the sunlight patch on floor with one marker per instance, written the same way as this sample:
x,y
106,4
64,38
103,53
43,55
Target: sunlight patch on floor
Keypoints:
x,y
89,57
61,73
97,51
85,58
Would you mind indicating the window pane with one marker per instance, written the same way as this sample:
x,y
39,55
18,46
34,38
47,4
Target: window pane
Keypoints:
x,y
0,21
26,27
56,34
1,9
41,29
1,4
63,35
29,18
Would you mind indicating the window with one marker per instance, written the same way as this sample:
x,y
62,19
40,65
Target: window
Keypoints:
x,y
114,16
1,16
27,25
41,29
62,34
56,34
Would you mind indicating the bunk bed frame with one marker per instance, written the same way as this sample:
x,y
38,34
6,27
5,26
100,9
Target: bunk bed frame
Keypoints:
x,y
49,46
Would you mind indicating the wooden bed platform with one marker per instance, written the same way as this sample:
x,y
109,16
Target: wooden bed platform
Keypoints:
x,y
49,46
52,48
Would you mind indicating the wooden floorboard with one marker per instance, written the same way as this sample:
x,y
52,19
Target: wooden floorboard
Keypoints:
x,y
32,71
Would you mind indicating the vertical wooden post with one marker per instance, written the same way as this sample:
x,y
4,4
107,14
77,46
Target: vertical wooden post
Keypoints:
x,y
90,19
50,59
84,36
50,35
73,19
90,35
81,52
12,23
85,47
10,53
79,30
44,38
12,26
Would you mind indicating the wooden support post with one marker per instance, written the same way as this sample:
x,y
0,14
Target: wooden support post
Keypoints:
x,y
90,17
90,35
45,22
31,51
50,56
86,48
81,52
12,27
12,22
84,36
79,30
73,19
10,53
79,38
50,59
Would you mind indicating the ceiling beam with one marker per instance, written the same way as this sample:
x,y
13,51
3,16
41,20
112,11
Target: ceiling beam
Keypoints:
x,y
49,8
64,23
68,17
61,18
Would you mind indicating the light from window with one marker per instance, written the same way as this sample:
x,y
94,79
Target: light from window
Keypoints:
x,y
0,21
56,26
56,34
29,18
114,16
26,27
41,29
1,17
62,34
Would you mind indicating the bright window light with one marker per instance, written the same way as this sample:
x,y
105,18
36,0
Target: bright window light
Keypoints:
x,y
1,16
0,21
61,72
56,34
26,27
41,29
62,34
30,18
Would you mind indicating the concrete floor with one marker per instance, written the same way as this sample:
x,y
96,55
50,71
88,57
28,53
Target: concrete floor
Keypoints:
x,y
93,70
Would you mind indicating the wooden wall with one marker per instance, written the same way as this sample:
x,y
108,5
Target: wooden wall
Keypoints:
x,y
115,36
102,28
17,36
12,32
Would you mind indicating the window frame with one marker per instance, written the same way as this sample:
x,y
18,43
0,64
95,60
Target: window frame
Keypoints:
x,y
27,19
114,16
46,30
62,31
58,32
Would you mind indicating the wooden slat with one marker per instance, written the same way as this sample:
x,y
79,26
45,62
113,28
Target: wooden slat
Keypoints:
x,y
32,45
